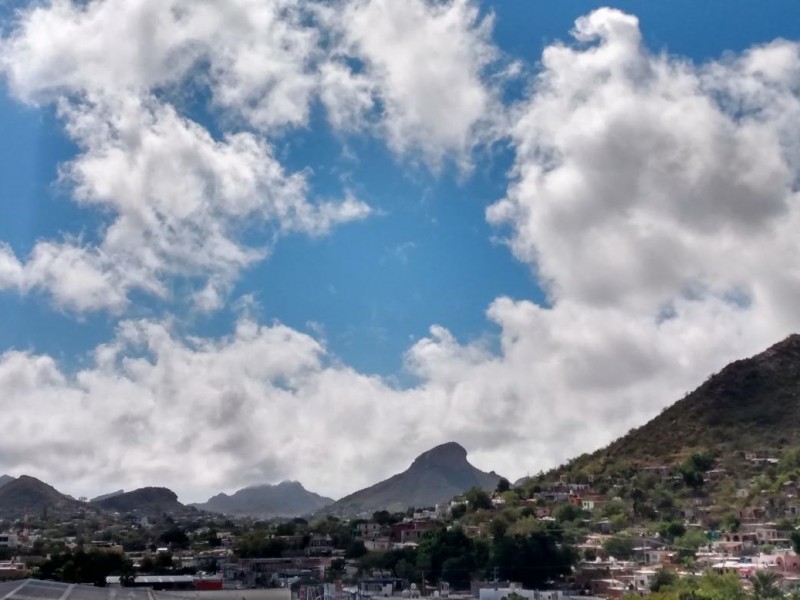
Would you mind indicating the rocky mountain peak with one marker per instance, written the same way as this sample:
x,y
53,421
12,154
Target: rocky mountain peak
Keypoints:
x,y
449,454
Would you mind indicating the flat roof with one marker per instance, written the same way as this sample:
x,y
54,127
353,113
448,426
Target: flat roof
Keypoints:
x,y
34,589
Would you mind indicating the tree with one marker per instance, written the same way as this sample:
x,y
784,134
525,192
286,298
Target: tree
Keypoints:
x,y
175,537
458,510
498,527
286,529
478,499
163,561
404,569
535,560
692,477
383,518
146,565
452,556
503,485
689,543
457,571
85,567
765,585
663,578
795,537
710,586
731,523
355,549
701,461
567,512
671,530
619,546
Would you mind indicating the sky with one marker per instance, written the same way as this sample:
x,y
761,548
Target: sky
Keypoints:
x,y
252,241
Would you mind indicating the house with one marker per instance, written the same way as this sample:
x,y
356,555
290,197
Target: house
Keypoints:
x,y
8,541
381,586
412,531
592,502
747,540
643,579
788,562
367,530
320,545
379,544
658,556
499,593
10,569
765,533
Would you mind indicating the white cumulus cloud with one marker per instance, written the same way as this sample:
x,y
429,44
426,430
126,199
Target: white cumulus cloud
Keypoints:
x,y
656,199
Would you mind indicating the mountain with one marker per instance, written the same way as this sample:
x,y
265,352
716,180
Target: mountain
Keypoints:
x,y
751,405
29,494
106,496
435,476
286,499
4,479
147,501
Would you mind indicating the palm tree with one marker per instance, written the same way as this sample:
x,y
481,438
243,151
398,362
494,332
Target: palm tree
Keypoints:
x,y
765,585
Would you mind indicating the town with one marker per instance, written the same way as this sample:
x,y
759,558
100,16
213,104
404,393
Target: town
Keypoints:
x,y
637,530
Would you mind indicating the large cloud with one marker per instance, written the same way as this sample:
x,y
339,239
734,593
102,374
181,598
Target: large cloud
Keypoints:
x,y
656,199
179,200
418,69
178,197
423,65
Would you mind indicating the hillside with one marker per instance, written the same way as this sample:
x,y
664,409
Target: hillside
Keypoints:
x,y
4,479
730,448
147,501
434,477
107,496
286,499
29,494
750,405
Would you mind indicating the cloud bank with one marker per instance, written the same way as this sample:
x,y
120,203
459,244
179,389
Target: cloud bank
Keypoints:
x,y
655,199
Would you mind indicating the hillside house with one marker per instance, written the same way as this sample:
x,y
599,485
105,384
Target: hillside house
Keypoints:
x,y
788,562
368,530
766,533
413,531
379,544
320,545
643,579
592,502
658,556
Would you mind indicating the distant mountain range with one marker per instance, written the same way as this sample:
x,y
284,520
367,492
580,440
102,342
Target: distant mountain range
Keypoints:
x,y
286,499
752,405
435,476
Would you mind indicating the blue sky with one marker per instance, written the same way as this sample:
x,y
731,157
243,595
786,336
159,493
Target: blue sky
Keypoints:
x,y
427,257
419,250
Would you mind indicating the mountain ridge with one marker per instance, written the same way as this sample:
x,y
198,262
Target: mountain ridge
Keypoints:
x,y
28,494
148,500
751,404
435,476
285,499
